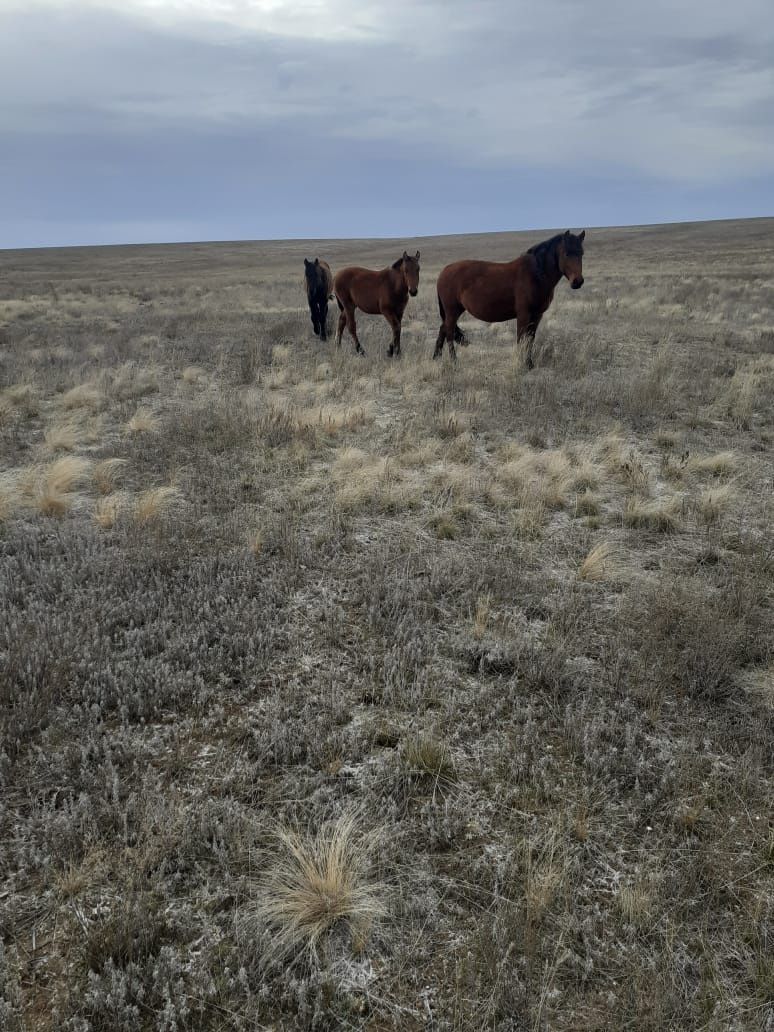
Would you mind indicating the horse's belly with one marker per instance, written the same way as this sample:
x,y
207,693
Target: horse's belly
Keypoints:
x,y
489,308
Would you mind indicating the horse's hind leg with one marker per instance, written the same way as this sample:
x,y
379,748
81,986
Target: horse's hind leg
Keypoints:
x,y
439,341
449,331
349,317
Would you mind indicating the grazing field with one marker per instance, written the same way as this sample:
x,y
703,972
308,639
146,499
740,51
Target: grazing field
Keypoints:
x,y
342,693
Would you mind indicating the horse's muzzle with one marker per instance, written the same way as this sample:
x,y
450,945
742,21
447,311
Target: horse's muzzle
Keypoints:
x,y
577,283
413,293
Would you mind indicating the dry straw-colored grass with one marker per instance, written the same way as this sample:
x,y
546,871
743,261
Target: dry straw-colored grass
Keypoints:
x,y
193,375
156,504
54,488
85,395
107,474
603,563
134,381
661,515
66,436
108,509
144,421
315,885
367,482
713,503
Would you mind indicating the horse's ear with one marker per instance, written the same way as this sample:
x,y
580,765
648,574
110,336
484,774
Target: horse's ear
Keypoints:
x,y
317,261
307,263
582,235
405,255
417,256
566,232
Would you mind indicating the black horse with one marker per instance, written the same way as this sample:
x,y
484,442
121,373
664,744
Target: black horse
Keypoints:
x,y
319,290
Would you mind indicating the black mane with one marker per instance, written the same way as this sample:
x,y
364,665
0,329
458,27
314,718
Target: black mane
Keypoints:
x,y
541,249
397,265
544,253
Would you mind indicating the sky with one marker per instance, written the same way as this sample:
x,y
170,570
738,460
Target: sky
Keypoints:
x,y
163,120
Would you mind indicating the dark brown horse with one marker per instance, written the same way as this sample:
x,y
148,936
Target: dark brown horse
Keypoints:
x,y
319,290
376,293
497,291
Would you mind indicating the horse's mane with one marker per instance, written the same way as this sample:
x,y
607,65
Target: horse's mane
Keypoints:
x,y
544,252
397,265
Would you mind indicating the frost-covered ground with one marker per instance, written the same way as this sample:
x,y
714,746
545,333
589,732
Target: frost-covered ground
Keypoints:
x,y
341,693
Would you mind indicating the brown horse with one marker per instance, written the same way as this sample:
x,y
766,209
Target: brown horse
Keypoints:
x,y
319,289
497,291
376,293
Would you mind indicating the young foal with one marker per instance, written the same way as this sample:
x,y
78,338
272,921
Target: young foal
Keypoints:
x,y
319,288
496,291
376,293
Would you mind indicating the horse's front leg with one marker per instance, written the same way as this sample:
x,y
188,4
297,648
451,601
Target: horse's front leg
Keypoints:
x,y
340,327
323,319
313,314
526,327
394,348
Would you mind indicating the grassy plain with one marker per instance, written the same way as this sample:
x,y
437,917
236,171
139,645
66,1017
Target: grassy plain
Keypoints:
x,y
342,693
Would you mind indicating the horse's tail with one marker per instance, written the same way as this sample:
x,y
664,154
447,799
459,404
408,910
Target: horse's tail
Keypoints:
x,y
441,309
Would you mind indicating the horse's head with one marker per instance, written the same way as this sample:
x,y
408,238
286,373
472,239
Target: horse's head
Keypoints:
x,y
311,268
570,255
410,269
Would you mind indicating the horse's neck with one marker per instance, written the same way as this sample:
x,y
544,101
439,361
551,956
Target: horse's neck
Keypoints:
x,y
397,282
547,273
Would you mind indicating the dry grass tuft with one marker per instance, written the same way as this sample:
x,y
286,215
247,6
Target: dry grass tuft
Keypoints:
x,y
481,616
722,464
108,509
133,381
86,395
66,436
315,886
107,473
156,504
713,503
364,482
194,375
144,422
19,397
602,563
54,490
426,757
661,515
587,504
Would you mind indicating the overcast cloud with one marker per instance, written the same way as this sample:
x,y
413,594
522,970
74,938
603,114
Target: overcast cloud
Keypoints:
x,y
188,119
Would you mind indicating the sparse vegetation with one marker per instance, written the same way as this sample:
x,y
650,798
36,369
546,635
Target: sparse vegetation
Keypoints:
x,y
519,624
